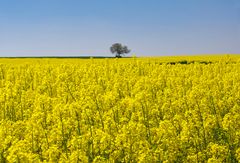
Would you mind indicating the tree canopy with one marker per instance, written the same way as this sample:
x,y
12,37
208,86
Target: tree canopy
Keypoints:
x,y
119,49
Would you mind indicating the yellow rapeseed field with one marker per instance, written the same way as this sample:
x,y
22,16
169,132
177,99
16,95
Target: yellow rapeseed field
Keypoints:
x,y
166,109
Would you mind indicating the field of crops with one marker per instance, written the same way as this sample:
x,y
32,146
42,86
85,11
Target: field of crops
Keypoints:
x,y
120,110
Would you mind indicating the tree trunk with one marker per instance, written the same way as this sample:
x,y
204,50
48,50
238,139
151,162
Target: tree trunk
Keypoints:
x,y
118,55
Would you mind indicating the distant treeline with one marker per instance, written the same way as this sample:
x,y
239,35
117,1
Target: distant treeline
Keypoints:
x,y
189,62
61,57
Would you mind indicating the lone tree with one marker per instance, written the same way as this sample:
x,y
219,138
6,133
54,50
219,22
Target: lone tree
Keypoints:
x,y
119,49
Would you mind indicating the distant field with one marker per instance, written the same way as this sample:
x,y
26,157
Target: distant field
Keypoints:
x,y
172,109
86,59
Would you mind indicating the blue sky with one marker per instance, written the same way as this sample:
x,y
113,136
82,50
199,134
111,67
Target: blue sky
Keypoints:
x,y
90,27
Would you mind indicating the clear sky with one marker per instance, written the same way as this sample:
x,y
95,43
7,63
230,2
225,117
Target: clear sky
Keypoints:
x,y
90,27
